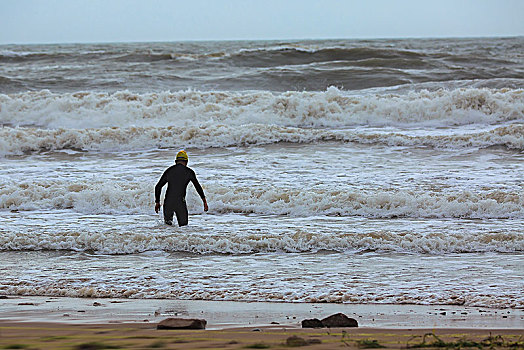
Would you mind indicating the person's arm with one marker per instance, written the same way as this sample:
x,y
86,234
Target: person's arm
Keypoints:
x,y
158,190
199,190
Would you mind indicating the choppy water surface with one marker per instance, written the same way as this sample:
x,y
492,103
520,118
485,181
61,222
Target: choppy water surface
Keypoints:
x,y
400,183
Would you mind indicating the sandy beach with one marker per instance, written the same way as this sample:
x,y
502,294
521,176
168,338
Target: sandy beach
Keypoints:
x,y
72,323
145,336
225,314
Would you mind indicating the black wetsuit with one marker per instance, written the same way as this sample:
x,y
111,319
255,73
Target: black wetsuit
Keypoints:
x,y
177,178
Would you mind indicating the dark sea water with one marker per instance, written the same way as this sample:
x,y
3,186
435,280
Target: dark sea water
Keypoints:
x,y
354,171
269,65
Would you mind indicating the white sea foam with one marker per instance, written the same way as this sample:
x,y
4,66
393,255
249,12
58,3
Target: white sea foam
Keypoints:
x,y
252,240
332,277
23,140
106,197
332,108
126,121
190,292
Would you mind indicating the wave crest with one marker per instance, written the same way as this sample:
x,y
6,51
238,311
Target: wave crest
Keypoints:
x,y
109,197
15,141
332,108
111,242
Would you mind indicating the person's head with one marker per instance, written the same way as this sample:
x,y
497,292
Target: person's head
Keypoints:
x,y
181,158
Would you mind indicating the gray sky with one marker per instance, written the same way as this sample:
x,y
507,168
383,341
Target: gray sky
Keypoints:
x,y
60,21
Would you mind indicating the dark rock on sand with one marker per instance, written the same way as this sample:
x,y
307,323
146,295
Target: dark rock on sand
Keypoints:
x,y
312,323
182,323
3,297
339,320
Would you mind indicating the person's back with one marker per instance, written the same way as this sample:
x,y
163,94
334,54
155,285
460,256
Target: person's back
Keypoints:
x,y
177,178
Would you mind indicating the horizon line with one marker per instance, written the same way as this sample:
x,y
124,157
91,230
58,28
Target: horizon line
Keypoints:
x,y
267,40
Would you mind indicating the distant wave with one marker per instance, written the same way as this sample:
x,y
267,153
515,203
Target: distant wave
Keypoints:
x,y
55,57
310,65
274,55
10,84
286,55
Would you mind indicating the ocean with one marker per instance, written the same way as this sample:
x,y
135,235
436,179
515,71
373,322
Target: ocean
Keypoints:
x,y
339,171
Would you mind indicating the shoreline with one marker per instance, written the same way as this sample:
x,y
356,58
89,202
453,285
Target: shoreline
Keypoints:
x,y
233,314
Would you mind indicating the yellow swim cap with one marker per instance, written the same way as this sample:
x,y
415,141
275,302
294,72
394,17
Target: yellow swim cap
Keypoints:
x,y
182,155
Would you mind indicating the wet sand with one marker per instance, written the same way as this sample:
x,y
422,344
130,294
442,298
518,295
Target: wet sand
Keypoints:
x,y
227,314
73,323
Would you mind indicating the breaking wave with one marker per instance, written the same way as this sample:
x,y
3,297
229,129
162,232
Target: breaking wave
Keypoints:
x,y
332,108
108,197
129,241
119,197
36,121
186,289
25,140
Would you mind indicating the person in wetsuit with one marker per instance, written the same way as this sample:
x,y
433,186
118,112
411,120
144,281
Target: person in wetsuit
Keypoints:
x,y
177,178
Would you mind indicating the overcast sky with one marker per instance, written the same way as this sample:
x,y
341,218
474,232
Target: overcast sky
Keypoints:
x,y
66,21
